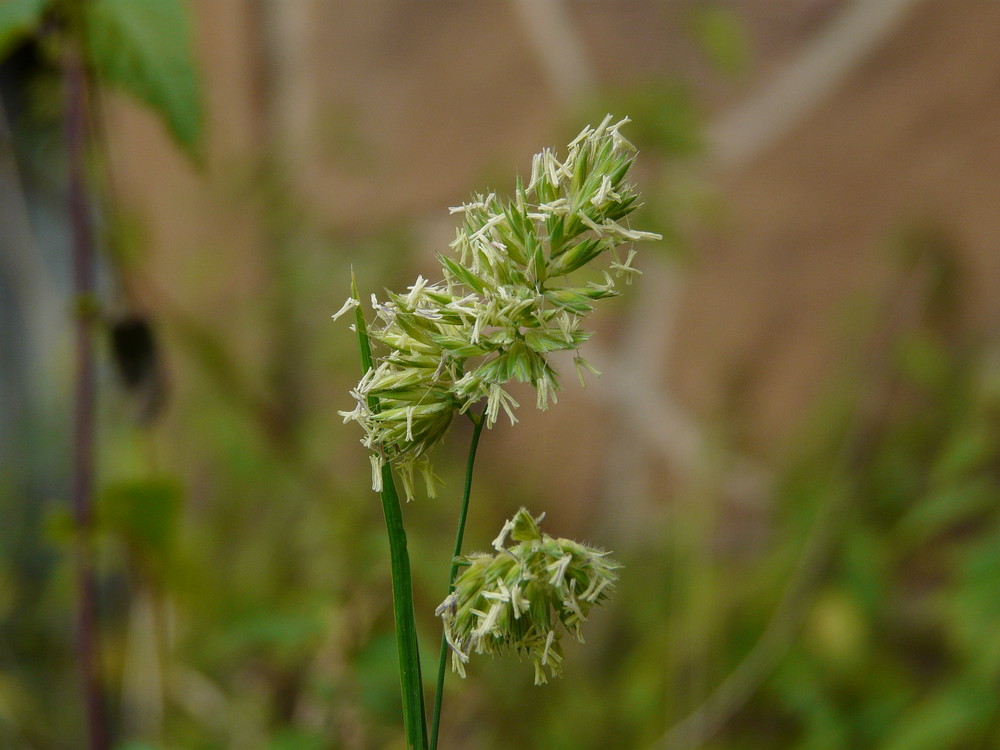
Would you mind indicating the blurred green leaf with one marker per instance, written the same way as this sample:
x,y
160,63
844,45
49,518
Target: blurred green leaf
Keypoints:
x,y
664,116
943,509
975,607
282,634
376,666
957,711
836,629
297,739
18,19
864,569
144,46
807,697
930,248
60,528
720,33
15,701
143,511
970,449
922,360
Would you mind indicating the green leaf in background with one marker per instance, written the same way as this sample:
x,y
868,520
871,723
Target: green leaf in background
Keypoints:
x,y
298,739
922,360
807,696
721,36
144,46
143,511
975,605
18,18
284,634
962,709
665,116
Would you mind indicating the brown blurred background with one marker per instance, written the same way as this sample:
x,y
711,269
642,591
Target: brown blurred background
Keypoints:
x,y
384,114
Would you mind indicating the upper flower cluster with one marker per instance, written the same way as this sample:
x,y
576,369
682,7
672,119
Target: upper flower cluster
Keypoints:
x,y
504,304
515,599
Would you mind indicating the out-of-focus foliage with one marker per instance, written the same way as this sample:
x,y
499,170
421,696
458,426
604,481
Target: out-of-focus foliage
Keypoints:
x,y
18,18
144,46
720,32
141,46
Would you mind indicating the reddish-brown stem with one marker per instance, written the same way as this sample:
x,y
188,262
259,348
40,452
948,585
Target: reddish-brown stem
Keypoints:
x,y
87,654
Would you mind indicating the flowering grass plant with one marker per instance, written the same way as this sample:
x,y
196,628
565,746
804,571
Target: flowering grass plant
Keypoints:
x,y
522,275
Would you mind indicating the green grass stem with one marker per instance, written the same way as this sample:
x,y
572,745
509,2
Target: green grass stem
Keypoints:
x,y
414,719
478,423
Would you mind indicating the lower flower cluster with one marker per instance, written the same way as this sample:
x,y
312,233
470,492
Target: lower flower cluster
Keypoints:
x,y
521,598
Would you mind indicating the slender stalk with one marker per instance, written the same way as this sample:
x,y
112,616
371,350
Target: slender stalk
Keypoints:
x,y
83,405
402,605
478,423
414,718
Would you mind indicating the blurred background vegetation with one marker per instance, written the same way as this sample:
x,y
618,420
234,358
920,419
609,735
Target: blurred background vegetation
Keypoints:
x,y
793,451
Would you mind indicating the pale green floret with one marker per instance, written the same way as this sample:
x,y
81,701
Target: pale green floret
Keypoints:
x,y
504,303
521,598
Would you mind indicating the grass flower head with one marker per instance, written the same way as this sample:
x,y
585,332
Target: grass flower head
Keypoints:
x,y
508,297
521,599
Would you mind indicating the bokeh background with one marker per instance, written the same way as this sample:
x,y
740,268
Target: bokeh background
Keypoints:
x,y
794,449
